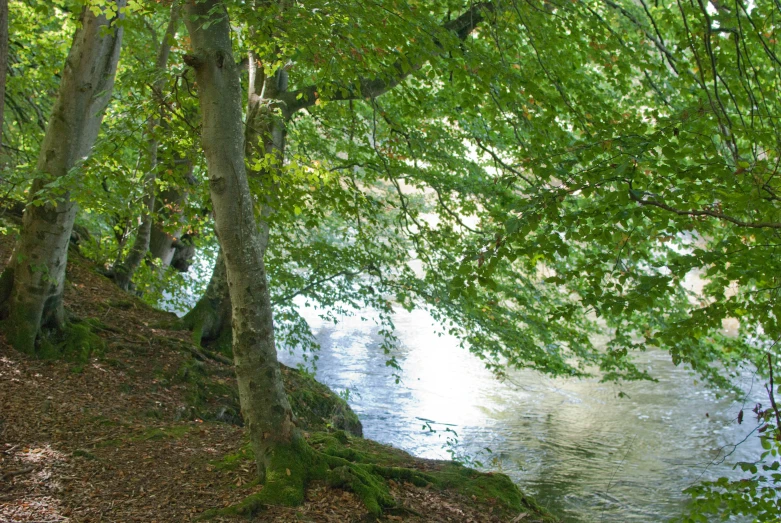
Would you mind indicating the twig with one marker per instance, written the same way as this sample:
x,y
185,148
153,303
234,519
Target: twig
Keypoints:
x,y
8,475
772,396
602,517
755,225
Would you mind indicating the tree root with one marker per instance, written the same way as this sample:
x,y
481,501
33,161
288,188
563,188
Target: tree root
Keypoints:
x,y
291,469
358,478
10,474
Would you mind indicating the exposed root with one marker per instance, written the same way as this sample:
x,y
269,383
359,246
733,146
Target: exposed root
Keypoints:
x,y
291,469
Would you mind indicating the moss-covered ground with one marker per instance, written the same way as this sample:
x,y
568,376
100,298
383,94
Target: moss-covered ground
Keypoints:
x,y
122,418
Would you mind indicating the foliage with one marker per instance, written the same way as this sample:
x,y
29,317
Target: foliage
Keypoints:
x,y
39,34
755,496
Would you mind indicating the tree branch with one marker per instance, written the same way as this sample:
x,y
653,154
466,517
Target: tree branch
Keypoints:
x,y
772,396
312,284
713,214
398,71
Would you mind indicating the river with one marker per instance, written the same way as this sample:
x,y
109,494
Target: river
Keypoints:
x,y
576,446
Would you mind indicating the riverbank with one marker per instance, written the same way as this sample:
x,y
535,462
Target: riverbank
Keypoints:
x,y
129,421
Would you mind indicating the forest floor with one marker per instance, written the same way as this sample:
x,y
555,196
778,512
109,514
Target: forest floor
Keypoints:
x,y
144,428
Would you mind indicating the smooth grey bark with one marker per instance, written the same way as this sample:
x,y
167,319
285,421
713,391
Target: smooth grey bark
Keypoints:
x,y
3,61
264,404
161,243
264,134
124,272
31,287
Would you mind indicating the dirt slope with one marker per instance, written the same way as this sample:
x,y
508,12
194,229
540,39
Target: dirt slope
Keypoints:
x,y
145,430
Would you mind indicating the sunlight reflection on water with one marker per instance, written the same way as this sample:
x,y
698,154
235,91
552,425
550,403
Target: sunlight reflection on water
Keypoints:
x,y
577,447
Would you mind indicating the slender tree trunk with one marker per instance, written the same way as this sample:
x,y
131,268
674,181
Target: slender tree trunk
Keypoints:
x,y
161,243
124,272
264,134
210,319
3,62
164,245
264,405
31,286
168,207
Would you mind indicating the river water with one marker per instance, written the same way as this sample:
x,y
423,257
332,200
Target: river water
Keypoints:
x,y
575,445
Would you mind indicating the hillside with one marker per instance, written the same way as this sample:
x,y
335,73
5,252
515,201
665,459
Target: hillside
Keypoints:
x,y
127,420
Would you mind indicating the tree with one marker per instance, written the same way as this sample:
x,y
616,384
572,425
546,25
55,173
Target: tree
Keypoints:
x,y
285,463
270,109
32,283
3,61
264,404
123,272
532,173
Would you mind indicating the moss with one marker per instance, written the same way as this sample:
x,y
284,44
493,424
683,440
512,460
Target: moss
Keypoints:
x,y
359,450
234,460
81,453
171,432
190,371
171,323
223,344
370,488
76,342
419,479
21,326
491,488
212,395
290,468
316,406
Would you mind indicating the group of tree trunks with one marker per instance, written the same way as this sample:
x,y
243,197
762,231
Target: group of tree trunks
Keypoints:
x,y
237,303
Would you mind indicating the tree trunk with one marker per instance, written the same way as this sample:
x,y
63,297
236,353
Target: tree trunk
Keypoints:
x,y
210,319
264,134
31,286
124,272
161,243
3,62
169,204
276,441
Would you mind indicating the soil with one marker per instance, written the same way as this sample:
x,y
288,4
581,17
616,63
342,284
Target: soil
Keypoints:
x,y
118,437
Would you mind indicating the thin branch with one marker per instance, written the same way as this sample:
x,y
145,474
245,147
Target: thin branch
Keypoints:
x,y
397,72
315,283
713,214
772,396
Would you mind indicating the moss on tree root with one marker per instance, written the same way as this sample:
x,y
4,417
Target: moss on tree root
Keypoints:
x,y
364,467
291,468
75,342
